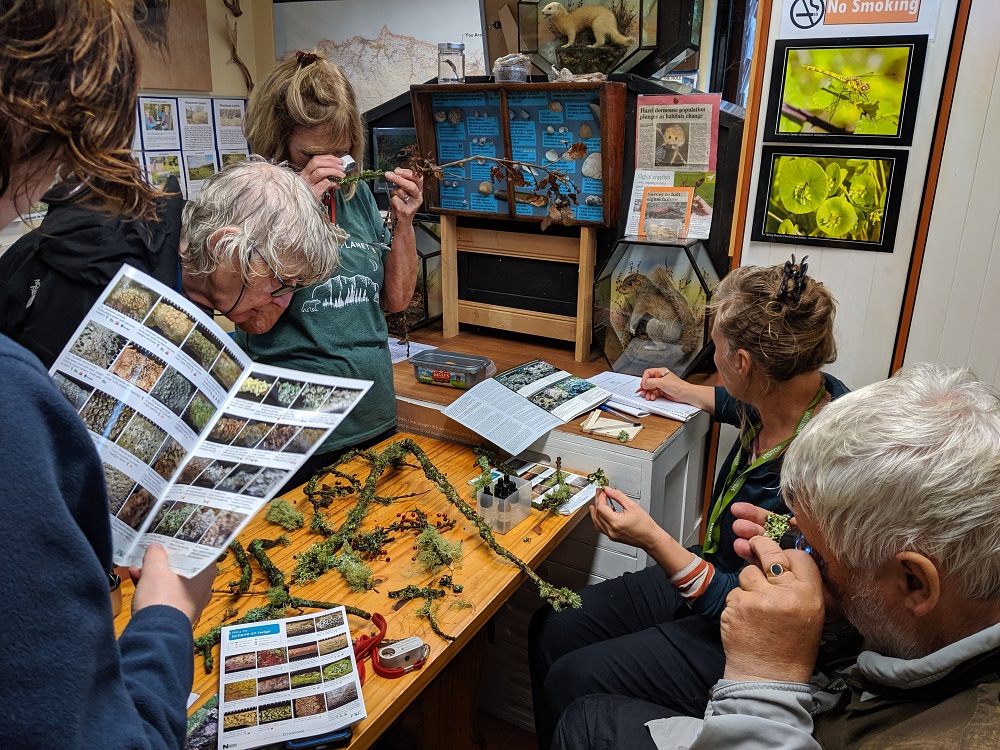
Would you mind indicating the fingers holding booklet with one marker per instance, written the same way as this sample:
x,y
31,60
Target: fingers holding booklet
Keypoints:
x,y
193,435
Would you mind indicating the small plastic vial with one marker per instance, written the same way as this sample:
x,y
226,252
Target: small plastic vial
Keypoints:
x,y
451,63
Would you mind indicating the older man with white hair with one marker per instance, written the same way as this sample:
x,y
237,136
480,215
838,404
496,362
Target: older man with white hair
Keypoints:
x,y
896,495
252,236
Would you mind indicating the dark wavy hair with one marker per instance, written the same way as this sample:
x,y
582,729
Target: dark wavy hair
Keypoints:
x,y
69,72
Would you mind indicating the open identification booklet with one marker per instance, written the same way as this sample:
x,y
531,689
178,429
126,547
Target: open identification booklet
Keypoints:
x,y
516,407
194,436
287,679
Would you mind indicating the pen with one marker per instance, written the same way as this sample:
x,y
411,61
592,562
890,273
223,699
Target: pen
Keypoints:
x,y
609,410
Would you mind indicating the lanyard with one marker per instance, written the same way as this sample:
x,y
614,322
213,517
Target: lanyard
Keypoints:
x,y
736,479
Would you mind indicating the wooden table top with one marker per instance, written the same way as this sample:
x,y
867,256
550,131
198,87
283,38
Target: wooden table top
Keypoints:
x,y
510,351
487,579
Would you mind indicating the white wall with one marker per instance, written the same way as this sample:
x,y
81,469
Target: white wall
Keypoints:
x,y
869,286
956,317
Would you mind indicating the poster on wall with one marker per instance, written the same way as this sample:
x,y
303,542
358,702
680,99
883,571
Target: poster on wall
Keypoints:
x,y
816,19
197,131
862,91
158,123
677,131
383,46
229,124
834,197
162,165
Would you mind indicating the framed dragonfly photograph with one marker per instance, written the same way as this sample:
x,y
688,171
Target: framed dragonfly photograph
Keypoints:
x,y
846,91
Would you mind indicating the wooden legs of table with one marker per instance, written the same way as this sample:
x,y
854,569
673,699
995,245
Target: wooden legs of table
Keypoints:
x,y
450,702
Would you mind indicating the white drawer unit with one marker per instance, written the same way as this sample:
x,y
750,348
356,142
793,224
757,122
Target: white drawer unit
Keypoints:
x,y
665,480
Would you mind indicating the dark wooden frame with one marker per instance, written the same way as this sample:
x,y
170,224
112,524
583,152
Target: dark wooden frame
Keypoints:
x,y
907,110
612,132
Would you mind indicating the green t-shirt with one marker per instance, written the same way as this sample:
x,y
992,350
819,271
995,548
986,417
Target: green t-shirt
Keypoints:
x,y
337,327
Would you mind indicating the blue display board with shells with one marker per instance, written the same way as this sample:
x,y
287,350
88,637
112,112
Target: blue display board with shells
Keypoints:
x,y
466,128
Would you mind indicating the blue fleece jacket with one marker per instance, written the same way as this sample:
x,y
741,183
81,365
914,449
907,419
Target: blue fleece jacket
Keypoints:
x,y
67,682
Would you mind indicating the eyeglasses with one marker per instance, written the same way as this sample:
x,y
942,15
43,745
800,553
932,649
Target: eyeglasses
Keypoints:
x,y
285,287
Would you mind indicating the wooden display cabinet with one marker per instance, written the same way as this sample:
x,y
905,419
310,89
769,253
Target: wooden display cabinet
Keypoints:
x,y
512,121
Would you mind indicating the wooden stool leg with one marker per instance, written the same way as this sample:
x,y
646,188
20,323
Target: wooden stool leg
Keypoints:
x,y
451,701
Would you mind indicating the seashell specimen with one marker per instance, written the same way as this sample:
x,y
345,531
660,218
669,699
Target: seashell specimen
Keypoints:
x,y
586,131
593,200
485,188
551,155
592,166
555,106
596,109
482,141
523,115
440,116
454,115
563,129
550,130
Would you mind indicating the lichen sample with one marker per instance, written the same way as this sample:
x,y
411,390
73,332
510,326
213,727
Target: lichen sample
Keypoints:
x,y
170,321
336,670
137,366
142,438
173,390
131,298
98,344
312,397
284,514
254,387
75,393
201,348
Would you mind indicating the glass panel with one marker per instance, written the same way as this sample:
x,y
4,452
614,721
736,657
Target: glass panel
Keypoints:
x,y
649,19
649,306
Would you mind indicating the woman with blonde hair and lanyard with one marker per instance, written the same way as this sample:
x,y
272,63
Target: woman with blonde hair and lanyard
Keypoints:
x,y
651,639
305,112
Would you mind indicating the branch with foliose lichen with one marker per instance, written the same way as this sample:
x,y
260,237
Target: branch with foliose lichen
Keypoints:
x,y
559,598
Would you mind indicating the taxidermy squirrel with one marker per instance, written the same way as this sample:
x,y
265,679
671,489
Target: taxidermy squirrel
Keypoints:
x,y
670,322
672,140
600,20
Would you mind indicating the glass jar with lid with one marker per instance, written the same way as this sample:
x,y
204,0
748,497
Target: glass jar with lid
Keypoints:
x,y
451,63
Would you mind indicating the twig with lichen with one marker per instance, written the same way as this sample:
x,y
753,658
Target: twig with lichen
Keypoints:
x,y
428,595
242,585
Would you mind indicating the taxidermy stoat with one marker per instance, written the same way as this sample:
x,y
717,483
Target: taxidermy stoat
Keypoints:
x,y
600,20
668,315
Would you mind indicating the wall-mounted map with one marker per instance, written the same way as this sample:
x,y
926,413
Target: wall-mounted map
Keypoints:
x,y
383,46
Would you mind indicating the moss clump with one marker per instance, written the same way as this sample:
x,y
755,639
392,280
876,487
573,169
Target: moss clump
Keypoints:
x,y
284,514
435,552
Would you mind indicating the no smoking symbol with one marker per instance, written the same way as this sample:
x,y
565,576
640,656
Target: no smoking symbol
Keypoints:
x,y
806,13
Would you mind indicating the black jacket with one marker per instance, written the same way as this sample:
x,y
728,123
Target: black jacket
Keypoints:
x,y
51,277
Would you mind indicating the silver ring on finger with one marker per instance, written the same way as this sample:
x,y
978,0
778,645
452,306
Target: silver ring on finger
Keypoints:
x,y
407,198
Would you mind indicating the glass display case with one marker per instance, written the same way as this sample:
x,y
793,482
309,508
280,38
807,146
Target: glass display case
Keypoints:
x,y
640,36
650,306
425,306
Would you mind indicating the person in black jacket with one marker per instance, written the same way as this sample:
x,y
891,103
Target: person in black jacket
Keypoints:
x,y
250,239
